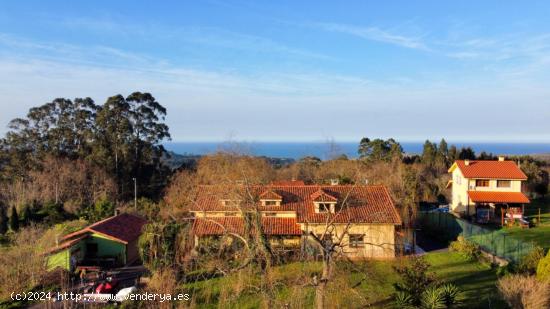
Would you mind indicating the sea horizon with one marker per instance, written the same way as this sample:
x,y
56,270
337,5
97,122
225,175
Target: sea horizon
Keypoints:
x,y
325,150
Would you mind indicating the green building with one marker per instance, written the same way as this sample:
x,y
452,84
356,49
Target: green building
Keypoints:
x,y
111,242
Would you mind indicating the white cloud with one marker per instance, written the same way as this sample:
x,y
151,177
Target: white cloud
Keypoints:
x,y
375,34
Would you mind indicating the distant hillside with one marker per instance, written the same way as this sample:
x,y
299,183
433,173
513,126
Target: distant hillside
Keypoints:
x,y
543,157
175,160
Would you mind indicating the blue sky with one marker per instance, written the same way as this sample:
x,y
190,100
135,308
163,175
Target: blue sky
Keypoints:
x,y
291,70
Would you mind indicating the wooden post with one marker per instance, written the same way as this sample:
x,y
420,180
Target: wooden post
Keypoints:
x,y
539,217
502,216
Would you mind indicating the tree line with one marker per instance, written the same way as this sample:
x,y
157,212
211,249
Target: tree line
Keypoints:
x,y
79,152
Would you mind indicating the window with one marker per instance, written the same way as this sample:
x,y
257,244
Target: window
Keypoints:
x,y
356,240
271,203
504,183
482,182
270,214
230,214
324,207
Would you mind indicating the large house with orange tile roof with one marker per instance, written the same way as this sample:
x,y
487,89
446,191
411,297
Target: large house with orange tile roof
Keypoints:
x,y
483,189
290,212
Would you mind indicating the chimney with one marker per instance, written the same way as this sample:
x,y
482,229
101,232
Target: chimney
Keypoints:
x,y
501,158
117,212
334,182
366,181
467,162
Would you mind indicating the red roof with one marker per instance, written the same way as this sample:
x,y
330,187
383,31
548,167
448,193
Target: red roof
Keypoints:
x,y
66,244
322,196
497,197
122,228
222,225
489,169
355,203
270,195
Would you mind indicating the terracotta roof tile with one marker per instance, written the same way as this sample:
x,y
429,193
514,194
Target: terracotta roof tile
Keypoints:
x,y
322,196
270,195
490,169
219,226
497,197
358,204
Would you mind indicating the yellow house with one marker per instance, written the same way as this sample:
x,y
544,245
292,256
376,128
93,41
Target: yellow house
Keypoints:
x,y
363,217
482,188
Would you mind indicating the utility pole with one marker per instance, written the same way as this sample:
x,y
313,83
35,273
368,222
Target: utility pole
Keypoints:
x,y
135,193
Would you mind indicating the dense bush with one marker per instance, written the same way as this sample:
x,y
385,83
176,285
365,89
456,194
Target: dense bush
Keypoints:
x,y
529,263
543,268
524,292
466,248
100,210
420,289
415,279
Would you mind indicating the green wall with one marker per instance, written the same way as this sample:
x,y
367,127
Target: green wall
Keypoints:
x,y
108,248
59,259
105,248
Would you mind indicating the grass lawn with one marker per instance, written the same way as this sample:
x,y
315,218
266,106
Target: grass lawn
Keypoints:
x,y
476,280
540,234
532,210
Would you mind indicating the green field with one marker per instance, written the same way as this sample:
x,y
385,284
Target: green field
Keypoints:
x,y
373,281
539,234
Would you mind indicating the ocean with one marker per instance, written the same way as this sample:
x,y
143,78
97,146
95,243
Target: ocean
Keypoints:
x,y
324,150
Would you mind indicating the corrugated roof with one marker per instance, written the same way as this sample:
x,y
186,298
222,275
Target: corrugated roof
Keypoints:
x,y
223,225
357,204
489,169
497,197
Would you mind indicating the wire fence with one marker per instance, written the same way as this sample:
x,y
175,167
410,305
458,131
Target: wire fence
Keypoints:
x,y
496,242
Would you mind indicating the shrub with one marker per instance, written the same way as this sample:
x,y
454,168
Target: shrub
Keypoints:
x,y
403,300
451,295
434,297
466,248
528,264
414,279
524,292
506,270
543,268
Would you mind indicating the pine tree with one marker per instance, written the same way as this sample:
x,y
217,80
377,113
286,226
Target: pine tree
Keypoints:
x,y
3,220
443,148
453,153
14,220
429,153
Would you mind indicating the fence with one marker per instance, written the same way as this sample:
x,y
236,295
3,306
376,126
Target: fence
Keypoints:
x,y
496,242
